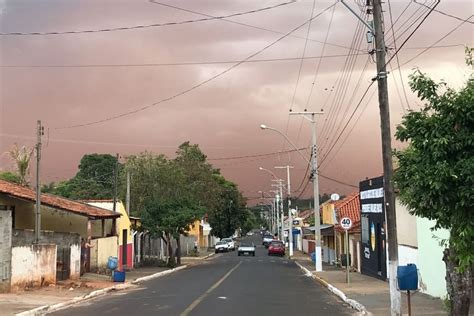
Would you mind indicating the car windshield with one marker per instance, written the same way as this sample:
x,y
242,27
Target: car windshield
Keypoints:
x,y
221,243
246,245
268,237
227,239
276,244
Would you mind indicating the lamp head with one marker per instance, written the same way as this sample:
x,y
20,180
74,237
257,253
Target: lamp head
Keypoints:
x,y
263,126
260,168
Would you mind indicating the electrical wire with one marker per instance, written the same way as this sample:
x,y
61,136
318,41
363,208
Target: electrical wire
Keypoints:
x,y
194,87
444,13
439,40
244,24
398,62
144,26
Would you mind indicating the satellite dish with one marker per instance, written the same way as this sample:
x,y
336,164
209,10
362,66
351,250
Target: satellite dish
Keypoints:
x,y
335,197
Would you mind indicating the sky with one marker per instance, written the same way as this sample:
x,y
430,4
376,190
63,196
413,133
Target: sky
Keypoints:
x,y
212,81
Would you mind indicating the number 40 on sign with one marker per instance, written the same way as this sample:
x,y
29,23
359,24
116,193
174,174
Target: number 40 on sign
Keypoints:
x,y
346,223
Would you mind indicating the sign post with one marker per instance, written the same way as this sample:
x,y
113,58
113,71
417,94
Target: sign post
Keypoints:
x,y
346,224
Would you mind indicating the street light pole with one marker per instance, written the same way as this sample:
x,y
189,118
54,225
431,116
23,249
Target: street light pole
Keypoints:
x,y
290,216
314,176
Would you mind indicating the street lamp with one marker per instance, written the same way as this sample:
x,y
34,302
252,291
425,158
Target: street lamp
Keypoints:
x,y
279,198
314,174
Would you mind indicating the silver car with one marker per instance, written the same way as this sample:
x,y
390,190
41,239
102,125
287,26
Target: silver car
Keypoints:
x,y
246,249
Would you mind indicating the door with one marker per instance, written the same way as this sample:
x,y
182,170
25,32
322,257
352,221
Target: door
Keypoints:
x,y
5,249
124,247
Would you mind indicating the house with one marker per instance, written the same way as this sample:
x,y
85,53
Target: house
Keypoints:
x,y
124,232
201,231
348,207
373,230
58,254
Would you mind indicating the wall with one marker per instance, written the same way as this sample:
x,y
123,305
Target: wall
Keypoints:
x,y
72,241
52,219
33,266
431,267
5,250
407,255
406,226
102,249
328,213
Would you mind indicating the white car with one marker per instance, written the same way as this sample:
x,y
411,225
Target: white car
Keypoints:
x,y
230,243
221,246
246,249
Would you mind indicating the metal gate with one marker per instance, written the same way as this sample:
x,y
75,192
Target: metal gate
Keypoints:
x,y
63,264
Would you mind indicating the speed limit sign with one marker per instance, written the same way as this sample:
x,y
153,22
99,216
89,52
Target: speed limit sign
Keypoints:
x,y
346,223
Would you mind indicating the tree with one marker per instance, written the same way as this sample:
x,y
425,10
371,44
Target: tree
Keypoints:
x,y
435,174
10,176
94,180
21,159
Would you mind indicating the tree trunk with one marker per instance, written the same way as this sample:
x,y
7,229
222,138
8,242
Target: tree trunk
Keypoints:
x,y
178,251
459,285
171,261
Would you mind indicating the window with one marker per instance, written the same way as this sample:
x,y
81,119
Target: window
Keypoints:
x,y
365,229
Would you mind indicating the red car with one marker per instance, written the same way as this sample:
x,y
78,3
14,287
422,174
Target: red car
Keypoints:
x,y
276,247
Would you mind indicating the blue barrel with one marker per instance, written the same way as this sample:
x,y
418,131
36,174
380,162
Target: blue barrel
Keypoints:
x,y
112,263
119,276
407,277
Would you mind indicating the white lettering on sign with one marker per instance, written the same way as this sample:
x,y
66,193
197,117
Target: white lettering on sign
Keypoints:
x,y
371,194
367,252
372,208
346,223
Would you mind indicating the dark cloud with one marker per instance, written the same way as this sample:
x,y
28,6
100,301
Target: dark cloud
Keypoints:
x,y
222,116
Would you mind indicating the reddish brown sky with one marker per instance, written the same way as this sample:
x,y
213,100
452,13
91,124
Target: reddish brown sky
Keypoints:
x,y
222,116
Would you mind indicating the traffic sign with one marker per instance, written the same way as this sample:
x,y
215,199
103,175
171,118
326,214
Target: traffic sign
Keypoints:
x,y
346,223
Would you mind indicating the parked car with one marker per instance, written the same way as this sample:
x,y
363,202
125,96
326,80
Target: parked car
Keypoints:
x,y
221,246
246,249
276,247
267,239
230,243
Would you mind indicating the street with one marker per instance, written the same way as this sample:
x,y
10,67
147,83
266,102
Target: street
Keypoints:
x,y
224,285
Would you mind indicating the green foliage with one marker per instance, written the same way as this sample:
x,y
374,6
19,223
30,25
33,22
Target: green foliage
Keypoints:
x,y
435,172
10,176
21,156
94,180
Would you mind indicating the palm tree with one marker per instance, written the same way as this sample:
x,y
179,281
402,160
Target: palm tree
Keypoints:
x,y
21,160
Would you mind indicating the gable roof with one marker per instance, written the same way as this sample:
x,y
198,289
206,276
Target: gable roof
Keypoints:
x,y
349,207
24,193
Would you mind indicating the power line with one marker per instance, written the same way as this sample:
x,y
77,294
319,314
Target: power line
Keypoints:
x,y
444,13
398,60
244,24
185,63
257,155
439,40
194,87
144,26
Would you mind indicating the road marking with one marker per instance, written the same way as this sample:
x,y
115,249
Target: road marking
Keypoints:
x,y
212,288
222,297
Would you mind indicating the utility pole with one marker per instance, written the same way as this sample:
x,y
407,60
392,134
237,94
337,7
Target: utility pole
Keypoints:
x,y
127,202
389,197
290,216
114,208
39,133
310,116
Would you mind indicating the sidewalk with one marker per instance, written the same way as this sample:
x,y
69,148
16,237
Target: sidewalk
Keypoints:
x,y
13,303
372,293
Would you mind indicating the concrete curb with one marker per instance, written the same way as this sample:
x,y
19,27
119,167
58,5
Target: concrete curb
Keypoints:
x,y
352,303
198,258
119,287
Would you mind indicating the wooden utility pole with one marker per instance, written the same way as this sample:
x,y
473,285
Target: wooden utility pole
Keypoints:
x,y
39,133
116,183
128,193
389,197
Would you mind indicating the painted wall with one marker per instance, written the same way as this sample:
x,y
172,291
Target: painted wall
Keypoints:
x,y
75,264
33,266
102,249
51,219
329,216
431,267
407,255
406,226
5,250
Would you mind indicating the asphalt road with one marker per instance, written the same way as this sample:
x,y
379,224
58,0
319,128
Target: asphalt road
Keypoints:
x,y
224,285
